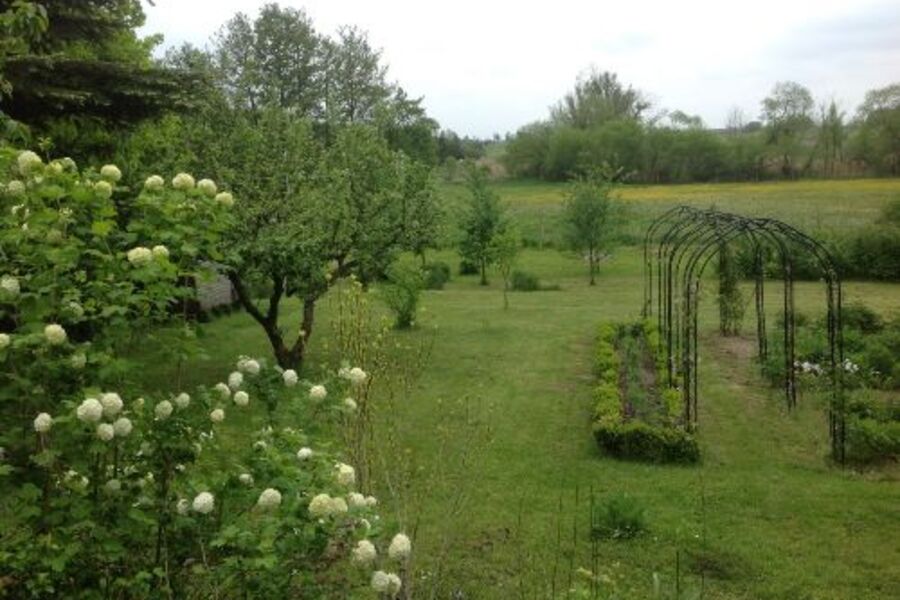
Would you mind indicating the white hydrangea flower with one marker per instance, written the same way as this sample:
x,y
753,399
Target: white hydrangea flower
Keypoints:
x,y
10,285
122,427
269,498
344,372
183,181
113,486
28,161
364,553
75,309
246,478
43,422
400,547
356,500
163,410
217,416
357,376
15,188
138,404
304,453
161,252
89,411
320,506
338,506
103,189
235,380
223,390
208,187
318,392
394,584
241,398
4,341
381,583
182,400
290,377
140,256
225,199
56,167
183,506
105,432
204,503
55,334
112,404
248,365
350,404
365,524
260,445
154,183
345,474
371,501
110,173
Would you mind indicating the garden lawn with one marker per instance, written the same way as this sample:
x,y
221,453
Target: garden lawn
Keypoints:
x,y
495,440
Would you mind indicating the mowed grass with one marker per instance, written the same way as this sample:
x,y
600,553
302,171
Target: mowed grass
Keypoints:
x,y
495,444
813,206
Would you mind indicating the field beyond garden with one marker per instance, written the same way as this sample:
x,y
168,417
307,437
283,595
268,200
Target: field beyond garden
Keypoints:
x,y
492,444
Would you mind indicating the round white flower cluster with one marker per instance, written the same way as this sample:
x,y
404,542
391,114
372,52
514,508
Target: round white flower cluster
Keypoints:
x,y
217,415
386,583
183,506
110,173
89,411
103,189
15,188
344,474
400,547
4,341
235,380
350,404
163,410
850,366
808,367
318,392
43,422
356,500
154,183
323,505
105,432
290,378
112,404
28,162
55,334
269,499
122,427
204,503
183,181
355,375
241,398
113,486
248,365
246,478
304,453
10,285
140,256
78,360
225,199
208,187
183,400
161,252
364,553
223,390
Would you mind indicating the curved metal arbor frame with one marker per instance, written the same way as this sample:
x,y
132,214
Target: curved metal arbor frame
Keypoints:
x,y
681,243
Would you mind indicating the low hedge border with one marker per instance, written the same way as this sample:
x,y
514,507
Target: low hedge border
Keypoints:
x,y
624,437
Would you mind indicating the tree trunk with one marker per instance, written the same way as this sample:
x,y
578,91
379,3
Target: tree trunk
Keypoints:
x,y
484,280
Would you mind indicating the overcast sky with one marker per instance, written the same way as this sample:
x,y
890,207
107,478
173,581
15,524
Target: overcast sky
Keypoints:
x,y
489,66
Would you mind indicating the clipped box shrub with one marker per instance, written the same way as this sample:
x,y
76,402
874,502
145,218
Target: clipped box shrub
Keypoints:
x,y
870,440
641,441
523,281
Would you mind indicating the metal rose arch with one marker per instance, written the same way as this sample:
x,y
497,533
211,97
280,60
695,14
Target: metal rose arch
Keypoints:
x,y
679,245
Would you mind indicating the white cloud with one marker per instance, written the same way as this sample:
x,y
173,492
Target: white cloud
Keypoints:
x,y
486,67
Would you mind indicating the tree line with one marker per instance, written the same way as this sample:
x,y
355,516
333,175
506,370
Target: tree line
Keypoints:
x,y
605,121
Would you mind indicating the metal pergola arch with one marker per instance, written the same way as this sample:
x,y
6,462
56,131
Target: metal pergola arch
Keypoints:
x,y
680,244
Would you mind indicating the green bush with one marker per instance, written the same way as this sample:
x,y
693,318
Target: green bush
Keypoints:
x,y
401,294
467,267
522,281
870,439
436,274
607,362
861,317
621,517
640,441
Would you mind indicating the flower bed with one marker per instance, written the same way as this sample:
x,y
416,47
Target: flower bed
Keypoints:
x,y
634,416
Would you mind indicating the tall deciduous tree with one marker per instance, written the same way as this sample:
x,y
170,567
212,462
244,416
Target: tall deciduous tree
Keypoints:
x,y
787,113
878,139
589,218
599,97
483,222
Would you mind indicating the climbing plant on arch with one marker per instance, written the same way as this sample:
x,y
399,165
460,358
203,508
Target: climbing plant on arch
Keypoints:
x,y
679,245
